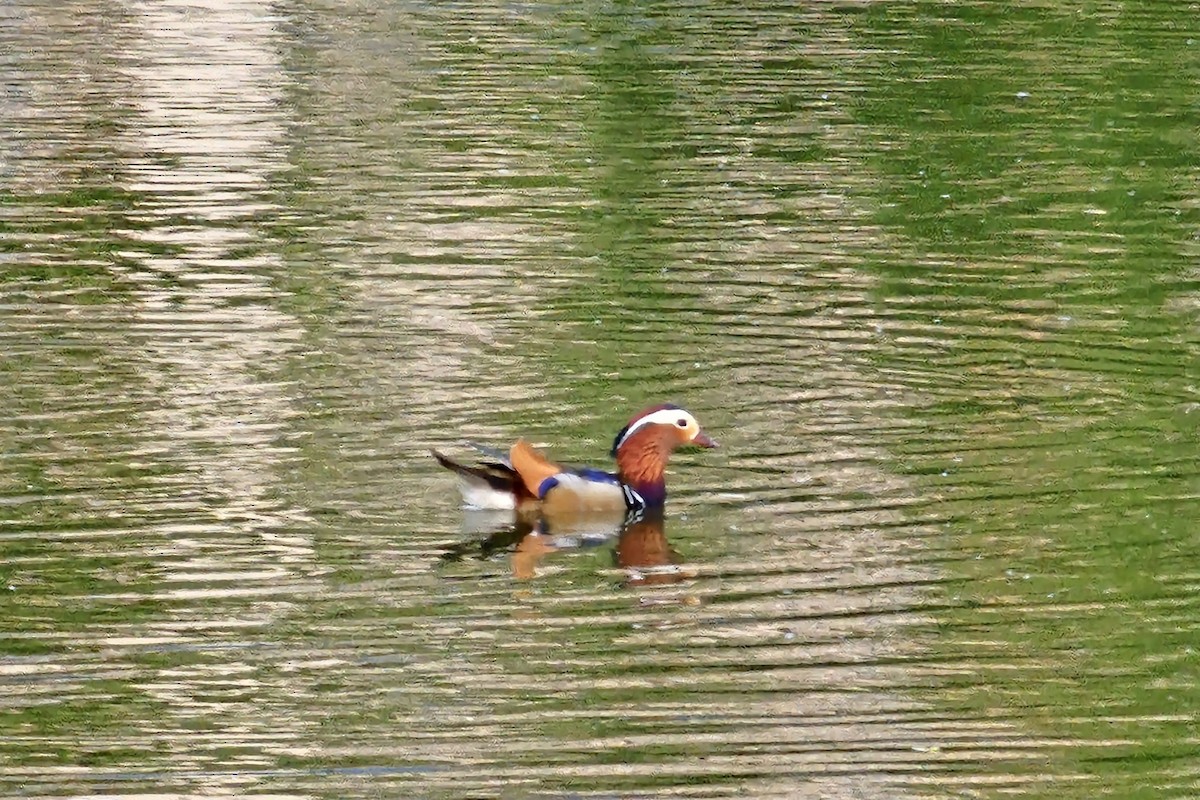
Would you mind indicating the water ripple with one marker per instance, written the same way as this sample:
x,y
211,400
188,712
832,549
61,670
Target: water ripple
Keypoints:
x,y
930,288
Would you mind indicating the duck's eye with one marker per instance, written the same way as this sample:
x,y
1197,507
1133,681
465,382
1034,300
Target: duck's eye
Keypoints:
x,y
681,423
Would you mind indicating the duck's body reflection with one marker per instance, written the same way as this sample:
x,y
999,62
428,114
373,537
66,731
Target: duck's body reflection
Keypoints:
x,y
640,546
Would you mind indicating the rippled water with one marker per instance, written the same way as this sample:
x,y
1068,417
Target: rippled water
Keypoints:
x,y
928,271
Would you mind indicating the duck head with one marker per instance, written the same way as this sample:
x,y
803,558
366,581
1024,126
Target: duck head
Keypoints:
x,y
644,446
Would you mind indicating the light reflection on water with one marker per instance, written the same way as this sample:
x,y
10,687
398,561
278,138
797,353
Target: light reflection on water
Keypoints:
x,y
257,261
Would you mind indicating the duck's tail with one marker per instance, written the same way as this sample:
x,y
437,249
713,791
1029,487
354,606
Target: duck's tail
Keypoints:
x,y
488,484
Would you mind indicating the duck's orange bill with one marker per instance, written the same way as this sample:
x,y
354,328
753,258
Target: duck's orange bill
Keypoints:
x,y
702,439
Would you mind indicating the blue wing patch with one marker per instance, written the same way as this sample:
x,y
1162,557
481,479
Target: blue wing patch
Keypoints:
x,y
546,486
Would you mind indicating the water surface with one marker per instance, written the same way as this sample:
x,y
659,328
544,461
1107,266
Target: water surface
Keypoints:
x,y
927,271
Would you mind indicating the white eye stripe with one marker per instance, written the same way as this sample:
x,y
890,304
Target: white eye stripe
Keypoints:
x,y
664,416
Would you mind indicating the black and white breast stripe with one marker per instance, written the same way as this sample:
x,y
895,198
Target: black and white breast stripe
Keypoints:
x,y
632,498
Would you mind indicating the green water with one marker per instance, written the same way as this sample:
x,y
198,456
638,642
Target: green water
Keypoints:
x,y
928,272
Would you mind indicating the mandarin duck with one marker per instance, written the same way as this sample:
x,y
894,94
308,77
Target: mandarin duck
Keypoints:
x,y
523,478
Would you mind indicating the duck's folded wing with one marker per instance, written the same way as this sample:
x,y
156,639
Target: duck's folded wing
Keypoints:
x,y
493,453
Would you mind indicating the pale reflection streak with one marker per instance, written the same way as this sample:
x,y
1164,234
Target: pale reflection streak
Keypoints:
x,y
202,146
447,241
